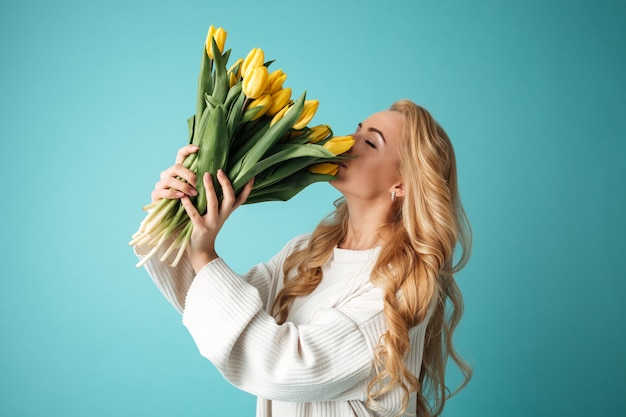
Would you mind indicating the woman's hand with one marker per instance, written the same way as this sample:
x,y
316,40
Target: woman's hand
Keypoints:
x,y
201,249
170,185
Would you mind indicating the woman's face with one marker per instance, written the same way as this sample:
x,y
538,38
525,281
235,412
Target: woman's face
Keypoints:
x,y
373,172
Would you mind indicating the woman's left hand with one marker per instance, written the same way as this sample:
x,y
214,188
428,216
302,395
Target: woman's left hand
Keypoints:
x,y
201,248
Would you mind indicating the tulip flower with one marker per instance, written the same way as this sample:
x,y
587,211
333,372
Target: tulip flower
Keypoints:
x,y
326,168
319,133
236,68
310,107
280,114
279,100
263,102
254,83
276,80
339,144
219,35
255,59
234,72
279,150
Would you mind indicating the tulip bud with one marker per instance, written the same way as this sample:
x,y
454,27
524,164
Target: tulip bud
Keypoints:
x,y
279,100
310,107
219,35
319,133
276,80
326,168
234,72
255,82
254,60
280,114
264,101
339,144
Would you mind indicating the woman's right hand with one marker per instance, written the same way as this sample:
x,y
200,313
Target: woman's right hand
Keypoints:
x,y
170,186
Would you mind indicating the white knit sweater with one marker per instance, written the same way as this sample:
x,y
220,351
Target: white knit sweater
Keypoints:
x,y
316,364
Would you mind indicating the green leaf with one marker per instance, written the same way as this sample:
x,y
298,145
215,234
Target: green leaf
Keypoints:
x,y
287,188
201,124
205,85
233,94
234,114
251,113
213,102
213,154
222,83
273,135
287,152
246,141
279,172
190,125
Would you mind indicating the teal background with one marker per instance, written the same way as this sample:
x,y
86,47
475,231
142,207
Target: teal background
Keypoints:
x,y
94,98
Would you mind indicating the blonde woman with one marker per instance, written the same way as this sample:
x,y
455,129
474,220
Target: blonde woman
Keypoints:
x,y
355,319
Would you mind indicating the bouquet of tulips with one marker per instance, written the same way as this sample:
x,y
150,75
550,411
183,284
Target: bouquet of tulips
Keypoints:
x,y
247,124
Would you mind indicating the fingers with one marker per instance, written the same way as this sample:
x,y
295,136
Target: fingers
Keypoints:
x,y
160,193
245,193
212,204
184,152
229,201
177,180
192,212
176,185
178,170
228,194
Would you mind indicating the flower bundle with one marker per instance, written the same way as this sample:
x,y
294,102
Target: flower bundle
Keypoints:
x,y
247,124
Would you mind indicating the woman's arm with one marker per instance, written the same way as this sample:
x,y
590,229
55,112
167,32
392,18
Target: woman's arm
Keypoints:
x,y
329,358
172,282
175,282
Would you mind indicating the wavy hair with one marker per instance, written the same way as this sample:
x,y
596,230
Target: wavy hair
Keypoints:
x,y
415,267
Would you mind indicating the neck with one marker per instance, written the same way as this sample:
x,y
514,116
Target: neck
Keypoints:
x,y
364,227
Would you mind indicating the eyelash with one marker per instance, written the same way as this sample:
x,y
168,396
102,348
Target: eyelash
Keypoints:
x,y
369,143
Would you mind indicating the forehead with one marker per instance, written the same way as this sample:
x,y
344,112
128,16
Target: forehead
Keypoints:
x,y
389,122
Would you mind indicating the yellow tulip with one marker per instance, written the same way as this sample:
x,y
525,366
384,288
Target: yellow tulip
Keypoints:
x,y
339,144
219,35
310,107
255,82
234,75
280,114
326,168
276,80
232,79
279,100
318,133
265,101
255,59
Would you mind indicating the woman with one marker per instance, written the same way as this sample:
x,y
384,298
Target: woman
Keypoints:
x,y
358,327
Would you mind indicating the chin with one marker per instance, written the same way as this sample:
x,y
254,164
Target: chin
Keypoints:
x,y
336,183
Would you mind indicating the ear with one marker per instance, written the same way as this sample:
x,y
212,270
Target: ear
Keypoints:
x,y
398,189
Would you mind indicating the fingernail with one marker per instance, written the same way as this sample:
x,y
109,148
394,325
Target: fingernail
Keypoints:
x,y
179,194
207,176
220,172
194,193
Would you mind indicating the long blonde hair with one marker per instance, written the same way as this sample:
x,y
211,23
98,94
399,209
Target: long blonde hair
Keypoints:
x,y
415,267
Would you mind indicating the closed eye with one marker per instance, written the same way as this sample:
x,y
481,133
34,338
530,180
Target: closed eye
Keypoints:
x,y
370,144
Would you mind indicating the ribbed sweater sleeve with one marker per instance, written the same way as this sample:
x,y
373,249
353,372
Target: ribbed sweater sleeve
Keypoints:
x,y
327,359
174,282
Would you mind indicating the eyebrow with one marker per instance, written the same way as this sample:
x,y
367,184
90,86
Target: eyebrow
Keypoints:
x,y
371,129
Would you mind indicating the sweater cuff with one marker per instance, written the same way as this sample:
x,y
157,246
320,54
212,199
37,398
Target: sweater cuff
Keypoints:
x,y
218,307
